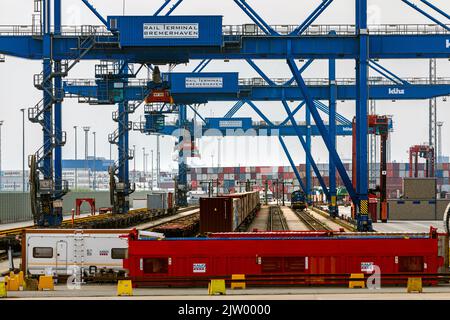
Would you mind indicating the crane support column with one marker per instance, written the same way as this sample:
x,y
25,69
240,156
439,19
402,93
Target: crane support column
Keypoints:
x,y
182,158
58,105
309,187
332,205
364,222
121,190
43,193
383,177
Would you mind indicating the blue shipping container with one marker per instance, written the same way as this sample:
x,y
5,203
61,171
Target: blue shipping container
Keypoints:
x,y
139,31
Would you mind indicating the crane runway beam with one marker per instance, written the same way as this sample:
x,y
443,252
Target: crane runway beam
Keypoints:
x,y
410,46
224,87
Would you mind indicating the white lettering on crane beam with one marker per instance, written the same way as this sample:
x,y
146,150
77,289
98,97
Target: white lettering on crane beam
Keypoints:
x,y
396,91
206,82
447,44
171,31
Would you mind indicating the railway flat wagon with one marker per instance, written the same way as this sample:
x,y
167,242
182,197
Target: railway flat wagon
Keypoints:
x,y
59,252
228,212
313,259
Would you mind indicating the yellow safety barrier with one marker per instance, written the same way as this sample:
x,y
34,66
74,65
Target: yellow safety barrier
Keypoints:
x,y
124,288
12,283
238,281
217,286
358,281
46,283
21,279
414,285
3,293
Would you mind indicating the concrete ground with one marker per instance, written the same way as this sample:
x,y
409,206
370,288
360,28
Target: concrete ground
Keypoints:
x,y
409,226
109,292
260,221
4,265
400,225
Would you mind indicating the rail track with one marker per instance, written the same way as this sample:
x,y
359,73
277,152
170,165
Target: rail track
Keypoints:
x,y
347,225
65,224
11,237
276,220
311,222
83,221
186,226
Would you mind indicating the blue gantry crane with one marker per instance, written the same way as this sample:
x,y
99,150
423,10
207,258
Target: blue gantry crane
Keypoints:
x,y
249,91
179,39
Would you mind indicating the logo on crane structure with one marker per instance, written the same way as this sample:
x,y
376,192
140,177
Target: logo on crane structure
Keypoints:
x,y
447,43
396,91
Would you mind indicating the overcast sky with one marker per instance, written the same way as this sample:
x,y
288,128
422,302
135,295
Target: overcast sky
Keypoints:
x,y
17,90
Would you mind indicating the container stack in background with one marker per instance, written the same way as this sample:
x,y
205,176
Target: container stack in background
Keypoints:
x,y
232,179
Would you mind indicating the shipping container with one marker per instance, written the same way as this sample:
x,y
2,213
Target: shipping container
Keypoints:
x,y
228,170
157,201
415,188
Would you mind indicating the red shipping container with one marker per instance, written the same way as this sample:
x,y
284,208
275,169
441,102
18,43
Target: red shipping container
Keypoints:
x,y
221,176
289,175
242,169
266,170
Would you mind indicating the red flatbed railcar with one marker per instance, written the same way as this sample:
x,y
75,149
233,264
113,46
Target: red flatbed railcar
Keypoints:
x,y
311,258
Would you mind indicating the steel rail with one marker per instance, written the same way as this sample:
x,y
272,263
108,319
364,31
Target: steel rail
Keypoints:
x,y
311,222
